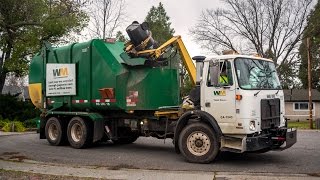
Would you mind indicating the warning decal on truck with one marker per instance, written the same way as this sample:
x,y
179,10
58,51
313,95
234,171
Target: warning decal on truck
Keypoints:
x,y
61,79
132,99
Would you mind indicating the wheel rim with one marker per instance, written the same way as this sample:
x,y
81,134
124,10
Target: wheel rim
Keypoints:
x,y
198,143
53,132
76,132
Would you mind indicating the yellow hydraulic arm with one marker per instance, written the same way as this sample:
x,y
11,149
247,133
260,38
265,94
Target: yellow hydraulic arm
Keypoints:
x,y
176,41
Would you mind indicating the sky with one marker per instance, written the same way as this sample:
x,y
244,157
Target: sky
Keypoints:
x,y
183,16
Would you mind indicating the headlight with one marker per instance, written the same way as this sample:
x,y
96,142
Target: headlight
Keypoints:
x,y
252,126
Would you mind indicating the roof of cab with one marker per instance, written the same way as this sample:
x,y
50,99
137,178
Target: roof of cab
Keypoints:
x,y
233,56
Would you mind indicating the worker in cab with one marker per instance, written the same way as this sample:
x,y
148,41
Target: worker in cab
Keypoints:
x,y
223,76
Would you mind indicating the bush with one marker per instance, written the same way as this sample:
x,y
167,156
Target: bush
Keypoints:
x,y
14,126
13,108
3,122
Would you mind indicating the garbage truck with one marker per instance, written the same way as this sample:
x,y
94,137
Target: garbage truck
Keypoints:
x,y
104,90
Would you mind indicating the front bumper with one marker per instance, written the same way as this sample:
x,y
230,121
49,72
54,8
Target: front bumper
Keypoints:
x,y
281,139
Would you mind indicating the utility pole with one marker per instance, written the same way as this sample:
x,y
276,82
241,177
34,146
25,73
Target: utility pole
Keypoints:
x,y
309,83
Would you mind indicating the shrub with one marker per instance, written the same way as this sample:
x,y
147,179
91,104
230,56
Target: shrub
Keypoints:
x,y
16,126
6,127
19,126
3,122
13,108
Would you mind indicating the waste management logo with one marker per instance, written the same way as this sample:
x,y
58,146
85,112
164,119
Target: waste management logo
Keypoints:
x,y
60,72
219,93
60,79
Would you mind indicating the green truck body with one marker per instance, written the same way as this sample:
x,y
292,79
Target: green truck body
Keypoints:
x,y
105,79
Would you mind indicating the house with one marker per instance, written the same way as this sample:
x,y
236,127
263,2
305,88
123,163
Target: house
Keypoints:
x,y
297,104
23,92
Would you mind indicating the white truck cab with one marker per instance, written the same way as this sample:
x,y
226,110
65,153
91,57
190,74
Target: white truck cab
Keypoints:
x,y
243,95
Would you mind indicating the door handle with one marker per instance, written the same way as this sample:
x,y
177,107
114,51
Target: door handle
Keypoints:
x,y
207,104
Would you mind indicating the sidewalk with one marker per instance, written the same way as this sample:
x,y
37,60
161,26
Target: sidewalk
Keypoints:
x,y
107,173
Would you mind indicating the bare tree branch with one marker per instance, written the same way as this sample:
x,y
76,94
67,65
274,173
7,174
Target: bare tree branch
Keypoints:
x,y
273,28
105,17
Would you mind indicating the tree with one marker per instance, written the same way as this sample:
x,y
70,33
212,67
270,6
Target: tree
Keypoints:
x,y
120,37
313,32
105,17
159,24
271,28
24,23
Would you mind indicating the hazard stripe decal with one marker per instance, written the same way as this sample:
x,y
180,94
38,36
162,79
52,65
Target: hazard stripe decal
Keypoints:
x,y
79,101
103,100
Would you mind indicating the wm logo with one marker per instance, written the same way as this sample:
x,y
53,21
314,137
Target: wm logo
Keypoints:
x,y
219,93
61,72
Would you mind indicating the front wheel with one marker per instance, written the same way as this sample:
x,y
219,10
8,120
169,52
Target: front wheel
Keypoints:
x,y
198,143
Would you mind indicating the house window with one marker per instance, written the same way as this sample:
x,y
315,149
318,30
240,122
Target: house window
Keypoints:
x,y
301,106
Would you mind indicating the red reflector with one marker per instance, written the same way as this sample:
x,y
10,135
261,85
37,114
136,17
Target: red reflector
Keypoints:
x,y
279,138
110,40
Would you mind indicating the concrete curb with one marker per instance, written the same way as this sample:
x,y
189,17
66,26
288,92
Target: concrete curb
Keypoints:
x,y
309,130
2,133
107,173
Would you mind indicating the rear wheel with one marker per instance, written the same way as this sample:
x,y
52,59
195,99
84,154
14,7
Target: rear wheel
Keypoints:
x,y
80,134
198,143
55,131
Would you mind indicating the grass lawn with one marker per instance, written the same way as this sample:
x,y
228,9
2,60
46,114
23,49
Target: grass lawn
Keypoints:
x,y
300,125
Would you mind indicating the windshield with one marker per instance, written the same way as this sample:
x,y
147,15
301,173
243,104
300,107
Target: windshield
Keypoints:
x,y
256,74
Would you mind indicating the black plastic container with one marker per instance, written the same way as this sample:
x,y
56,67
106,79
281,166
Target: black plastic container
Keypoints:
x,y
139,33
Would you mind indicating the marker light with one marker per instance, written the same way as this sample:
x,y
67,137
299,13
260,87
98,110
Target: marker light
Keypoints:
x,y
238,97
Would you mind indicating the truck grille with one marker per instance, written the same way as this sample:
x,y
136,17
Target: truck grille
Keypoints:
x,y
270,113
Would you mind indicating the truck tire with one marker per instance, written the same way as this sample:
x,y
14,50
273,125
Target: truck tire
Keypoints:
x,y
198,143
55,131
80,133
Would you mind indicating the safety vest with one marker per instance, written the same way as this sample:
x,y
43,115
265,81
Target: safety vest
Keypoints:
x,y
223,79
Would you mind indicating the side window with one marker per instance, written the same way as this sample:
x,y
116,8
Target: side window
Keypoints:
x,y
225,78
302,106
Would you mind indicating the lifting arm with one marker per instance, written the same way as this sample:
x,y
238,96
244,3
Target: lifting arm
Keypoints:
x,y
186,59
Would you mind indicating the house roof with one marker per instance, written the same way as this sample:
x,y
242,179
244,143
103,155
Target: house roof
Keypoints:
x,y
16,90
294,95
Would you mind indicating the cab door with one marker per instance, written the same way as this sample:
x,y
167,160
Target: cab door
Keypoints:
x,y
219,100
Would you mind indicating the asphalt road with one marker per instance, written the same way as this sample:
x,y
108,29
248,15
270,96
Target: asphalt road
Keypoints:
x,y
150,153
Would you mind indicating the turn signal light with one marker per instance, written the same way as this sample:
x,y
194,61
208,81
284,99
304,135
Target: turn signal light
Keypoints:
x,y
238,97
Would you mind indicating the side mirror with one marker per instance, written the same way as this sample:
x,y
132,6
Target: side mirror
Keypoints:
x,y
214,71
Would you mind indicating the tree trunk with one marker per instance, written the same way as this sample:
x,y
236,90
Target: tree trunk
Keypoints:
x,y
3,71
2,80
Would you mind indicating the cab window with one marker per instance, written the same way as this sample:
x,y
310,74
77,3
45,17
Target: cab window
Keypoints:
x,y
225,78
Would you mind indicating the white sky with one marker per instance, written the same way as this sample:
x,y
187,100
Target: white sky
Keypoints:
x,y
183,16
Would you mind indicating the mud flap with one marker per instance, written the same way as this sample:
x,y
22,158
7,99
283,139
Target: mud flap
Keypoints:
x,y
98,130
291,139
